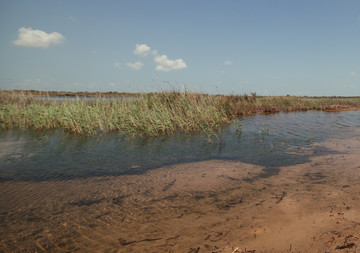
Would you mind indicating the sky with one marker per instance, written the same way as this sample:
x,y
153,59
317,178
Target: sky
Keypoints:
x,y
277,47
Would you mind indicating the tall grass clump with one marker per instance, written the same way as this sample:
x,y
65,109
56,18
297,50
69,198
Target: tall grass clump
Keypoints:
x,y
145,115
167,112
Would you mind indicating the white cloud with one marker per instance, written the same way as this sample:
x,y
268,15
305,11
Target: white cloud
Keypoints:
x,y
73,19
117,65
28,37
112,84
136,65
142,50
353,73
228,63
165,65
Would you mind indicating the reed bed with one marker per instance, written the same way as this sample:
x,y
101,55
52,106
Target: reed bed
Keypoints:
x,y
149,114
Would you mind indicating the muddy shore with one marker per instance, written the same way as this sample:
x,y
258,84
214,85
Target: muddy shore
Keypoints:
x,y
209,206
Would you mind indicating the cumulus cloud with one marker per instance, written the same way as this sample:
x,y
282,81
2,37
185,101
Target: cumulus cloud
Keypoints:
x,y
28,37
228,63
165,65
117,65
135,66
142,50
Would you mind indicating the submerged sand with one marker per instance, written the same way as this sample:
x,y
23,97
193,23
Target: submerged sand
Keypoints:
x,y
209,206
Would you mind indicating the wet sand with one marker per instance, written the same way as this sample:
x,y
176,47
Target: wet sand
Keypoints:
x,y
209,206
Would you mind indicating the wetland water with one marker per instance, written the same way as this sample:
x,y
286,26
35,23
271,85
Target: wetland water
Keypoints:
x,y
282,174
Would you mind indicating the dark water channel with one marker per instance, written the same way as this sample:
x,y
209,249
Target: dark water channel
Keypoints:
x,y
266,140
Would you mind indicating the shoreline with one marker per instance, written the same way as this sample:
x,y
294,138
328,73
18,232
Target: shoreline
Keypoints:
x,y
205,206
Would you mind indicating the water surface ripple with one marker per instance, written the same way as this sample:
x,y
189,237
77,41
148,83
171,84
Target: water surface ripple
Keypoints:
x,y
267,140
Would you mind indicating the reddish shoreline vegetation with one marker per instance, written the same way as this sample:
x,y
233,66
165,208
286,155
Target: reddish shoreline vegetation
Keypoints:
x,y
147,114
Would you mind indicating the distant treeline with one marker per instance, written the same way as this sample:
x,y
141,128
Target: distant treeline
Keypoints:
x,y
128,94
72,93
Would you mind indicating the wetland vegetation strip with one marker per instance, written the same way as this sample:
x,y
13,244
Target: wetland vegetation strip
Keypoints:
x,y
149,114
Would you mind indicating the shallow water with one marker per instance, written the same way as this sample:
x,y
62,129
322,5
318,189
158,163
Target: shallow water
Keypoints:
x,y
268,140
63,192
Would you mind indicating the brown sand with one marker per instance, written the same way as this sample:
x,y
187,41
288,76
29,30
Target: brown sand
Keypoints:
x,y
210,206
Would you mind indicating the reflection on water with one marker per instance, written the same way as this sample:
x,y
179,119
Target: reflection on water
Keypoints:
x,y
268,140
60,192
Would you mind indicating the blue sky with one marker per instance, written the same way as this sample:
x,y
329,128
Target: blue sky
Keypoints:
x,y
278,47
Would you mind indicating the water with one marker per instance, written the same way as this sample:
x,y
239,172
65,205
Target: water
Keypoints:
x,y
63,192
269,140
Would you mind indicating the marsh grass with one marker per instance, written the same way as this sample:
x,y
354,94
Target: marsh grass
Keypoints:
x,y
292,103
148,114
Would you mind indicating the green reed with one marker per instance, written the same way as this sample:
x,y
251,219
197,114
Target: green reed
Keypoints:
x,y
148,114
